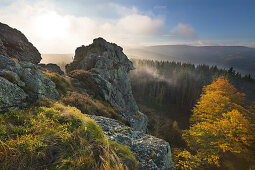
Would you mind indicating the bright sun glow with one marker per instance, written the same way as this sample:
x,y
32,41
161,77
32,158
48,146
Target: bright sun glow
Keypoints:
x,y
51,25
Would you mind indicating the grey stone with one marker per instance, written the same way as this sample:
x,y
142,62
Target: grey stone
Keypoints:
x,y
110,68
151,152
14,44
22,83
11,96
54,68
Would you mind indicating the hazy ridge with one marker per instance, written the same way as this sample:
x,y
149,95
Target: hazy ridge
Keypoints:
x,y
240,57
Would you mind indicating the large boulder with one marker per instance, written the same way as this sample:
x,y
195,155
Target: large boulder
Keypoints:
x,y
54,68
151,152
22,83
110,69
11,95
14,44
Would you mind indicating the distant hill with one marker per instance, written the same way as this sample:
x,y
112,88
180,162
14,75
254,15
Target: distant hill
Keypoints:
x,y
239,57
60,59
57,58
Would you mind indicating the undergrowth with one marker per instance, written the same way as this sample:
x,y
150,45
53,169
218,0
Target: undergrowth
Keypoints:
x,y
63,85
57,137
87,105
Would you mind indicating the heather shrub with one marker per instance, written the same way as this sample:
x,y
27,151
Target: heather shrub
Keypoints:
x,y
87,105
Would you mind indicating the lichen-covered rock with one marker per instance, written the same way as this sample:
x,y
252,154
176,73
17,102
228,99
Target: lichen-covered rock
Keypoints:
x,y
22,83
11,95
14,44
110,71
151,152
54,68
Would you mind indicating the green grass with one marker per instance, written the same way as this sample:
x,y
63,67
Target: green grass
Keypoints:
x,y
63,85
57,137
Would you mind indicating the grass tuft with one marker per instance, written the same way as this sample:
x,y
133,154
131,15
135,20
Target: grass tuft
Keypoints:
x,y
63,85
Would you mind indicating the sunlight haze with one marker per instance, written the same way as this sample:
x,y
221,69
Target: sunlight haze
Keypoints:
x,y
60,26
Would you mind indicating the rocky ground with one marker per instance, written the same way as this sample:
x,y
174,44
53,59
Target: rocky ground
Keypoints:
x,y
151,152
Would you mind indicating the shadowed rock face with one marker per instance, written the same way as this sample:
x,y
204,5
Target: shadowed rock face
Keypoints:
x,y
110,71
14,44
22,83
151,152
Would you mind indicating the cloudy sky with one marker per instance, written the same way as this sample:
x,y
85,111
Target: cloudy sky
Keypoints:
x,y
59,26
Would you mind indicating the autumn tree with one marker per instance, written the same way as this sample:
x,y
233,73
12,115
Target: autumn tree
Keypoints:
x,y
221,130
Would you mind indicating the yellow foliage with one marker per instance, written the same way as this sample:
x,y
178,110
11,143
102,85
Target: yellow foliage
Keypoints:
x,y
220,125
188,161
223,87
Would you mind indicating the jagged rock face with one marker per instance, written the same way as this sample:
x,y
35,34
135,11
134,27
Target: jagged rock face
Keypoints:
x,y
151,152
54,68
22,83
14,44
110,68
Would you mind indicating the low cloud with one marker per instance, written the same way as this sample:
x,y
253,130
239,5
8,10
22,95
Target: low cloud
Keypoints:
x,y
184,31
52,32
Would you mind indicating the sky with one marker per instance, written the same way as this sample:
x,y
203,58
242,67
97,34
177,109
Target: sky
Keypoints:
x,y
59,26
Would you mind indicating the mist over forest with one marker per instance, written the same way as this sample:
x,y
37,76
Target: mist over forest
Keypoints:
x,y
241,58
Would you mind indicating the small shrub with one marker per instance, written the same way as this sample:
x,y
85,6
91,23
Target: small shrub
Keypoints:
x,y
153,155
125,121
84,77
87,105
22,77
63,85
45,102
27,88
14,59
10,77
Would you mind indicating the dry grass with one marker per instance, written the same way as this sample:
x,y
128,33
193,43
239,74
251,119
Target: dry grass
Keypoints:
x,y
84,77
59,137
87,105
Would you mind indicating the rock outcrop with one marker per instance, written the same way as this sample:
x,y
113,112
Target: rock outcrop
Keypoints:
x,y
110,71
151,152
54,68
14,44
22,83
